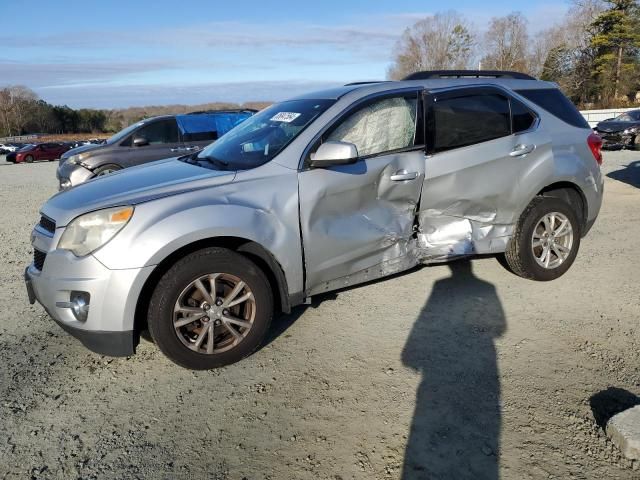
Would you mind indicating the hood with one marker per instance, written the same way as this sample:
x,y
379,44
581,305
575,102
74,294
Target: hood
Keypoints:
x,y
75,151
132,186
613,126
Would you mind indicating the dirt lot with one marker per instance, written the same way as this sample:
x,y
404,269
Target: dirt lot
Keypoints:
x,y
463,372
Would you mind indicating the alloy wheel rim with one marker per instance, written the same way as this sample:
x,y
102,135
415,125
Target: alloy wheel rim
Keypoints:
x,y
106,172
214,313
552,240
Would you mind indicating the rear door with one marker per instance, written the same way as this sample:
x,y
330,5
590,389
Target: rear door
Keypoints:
x,y
481,142
360,216
162,141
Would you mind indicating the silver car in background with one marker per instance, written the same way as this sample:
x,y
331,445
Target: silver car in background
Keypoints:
x,y
321,192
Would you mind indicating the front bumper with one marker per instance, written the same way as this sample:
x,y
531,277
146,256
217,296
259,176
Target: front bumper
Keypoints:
x,y
109,326
70,174
617,140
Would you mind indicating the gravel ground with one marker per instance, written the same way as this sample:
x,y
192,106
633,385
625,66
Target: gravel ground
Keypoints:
x,y
457,372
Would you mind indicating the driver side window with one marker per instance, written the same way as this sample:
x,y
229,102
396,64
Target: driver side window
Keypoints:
x,y
382,126
162,131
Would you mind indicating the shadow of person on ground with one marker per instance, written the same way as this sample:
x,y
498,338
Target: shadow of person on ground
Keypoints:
x,y
629,174
455,432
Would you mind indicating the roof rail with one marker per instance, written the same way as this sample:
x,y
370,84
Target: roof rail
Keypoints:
x,y
365,82
431,74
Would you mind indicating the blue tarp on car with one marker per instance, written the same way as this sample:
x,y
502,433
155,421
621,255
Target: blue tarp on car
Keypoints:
x,y
209,126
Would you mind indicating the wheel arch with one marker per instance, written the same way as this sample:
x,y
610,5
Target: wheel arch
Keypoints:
x,y
253,250
573,195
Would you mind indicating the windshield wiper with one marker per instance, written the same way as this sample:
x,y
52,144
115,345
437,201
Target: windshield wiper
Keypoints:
x,y
214,161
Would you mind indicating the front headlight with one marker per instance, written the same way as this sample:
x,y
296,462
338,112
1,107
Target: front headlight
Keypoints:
x,y
77,158
91,231
630,130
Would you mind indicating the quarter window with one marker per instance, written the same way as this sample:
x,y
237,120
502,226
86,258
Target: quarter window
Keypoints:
x,y
522,117
462,121
382,126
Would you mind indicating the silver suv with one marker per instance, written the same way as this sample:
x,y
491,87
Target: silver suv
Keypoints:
x,y
321,192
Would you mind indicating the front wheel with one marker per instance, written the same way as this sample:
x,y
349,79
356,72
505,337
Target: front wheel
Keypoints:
x,y
210,309
28,159
546,240
106,169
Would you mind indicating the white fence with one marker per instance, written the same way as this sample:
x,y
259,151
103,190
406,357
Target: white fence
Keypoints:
x,y
595,116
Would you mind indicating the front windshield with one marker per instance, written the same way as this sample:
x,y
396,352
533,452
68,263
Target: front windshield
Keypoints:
x,y
122,133
633,116
260,138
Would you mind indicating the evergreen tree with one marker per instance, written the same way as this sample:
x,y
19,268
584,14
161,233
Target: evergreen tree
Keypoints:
x,y
616,44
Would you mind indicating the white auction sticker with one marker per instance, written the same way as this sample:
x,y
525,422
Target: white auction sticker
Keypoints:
x,y
286,117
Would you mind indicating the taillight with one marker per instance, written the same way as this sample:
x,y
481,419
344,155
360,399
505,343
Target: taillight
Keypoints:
x,y
595,145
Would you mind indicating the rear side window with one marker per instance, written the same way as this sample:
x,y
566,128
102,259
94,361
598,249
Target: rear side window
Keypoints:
x,y
554,102
471,119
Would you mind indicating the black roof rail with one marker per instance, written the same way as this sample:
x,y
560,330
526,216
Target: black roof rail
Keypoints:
x,y
365,82
431,74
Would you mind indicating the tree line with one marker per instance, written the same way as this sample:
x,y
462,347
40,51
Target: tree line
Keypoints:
x,y
593,53
22,112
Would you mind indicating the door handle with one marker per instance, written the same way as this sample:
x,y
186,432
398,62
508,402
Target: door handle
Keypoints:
x,y
402,175
521,149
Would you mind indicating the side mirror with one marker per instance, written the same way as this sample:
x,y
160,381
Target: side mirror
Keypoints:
x,y
140,142
334,153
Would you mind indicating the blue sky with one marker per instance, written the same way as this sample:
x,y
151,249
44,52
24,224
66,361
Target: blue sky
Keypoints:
x,y
117,54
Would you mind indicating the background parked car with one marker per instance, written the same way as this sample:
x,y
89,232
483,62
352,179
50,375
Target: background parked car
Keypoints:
x,y
620,132
41,151
8,147
148,140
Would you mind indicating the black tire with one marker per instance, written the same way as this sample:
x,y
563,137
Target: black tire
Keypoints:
x,y
519,254
183,273
28,159
106,169
635,144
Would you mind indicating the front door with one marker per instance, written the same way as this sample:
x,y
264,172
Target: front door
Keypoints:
x,y
357,220
162,140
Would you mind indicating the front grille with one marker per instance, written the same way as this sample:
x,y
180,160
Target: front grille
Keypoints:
x,y
48,224
38,259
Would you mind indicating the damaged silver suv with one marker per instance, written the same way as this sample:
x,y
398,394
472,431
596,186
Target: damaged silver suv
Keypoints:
x,y
314,194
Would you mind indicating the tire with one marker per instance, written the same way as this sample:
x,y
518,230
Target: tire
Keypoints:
x,y
176,291
28,159
635,144
521,254
106,169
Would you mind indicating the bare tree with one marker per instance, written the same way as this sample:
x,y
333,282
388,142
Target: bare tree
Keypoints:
x,y
506,44
16,105
442,41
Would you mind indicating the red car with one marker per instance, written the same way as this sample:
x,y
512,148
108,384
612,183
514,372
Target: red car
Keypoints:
x,y
41,151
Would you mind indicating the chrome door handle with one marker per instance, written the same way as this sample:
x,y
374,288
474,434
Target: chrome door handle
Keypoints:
x,y
521,149
402,175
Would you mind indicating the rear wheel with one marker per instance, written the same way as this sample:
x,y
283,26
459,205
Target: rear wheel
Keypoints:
x,y
212,308
546,240
106,169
